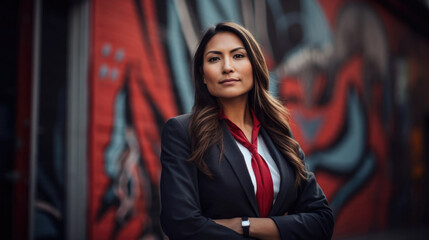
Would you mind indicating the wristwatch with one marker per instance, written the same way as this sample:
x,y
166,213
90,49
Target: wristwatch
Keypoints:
x,y
245,224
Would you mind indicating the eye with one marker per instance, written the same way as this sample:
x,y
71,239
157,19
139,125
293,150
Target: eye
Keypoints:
x,y
213,59
239,55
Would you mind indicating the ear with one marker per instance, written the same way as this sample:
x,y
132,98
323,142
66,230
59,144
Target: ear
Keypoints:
x,y
205,82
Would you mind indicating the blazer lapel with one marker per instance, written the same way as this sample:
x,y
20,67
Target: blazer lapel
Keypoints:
x,y
286,174
235,158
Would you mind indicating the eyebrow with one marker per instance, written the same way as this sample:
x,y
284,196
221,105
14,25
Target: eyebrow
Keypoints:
x,y
218,52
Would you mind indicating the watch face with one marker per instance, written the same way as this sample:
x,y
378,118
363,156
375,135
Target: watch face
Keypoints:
x,y
245,223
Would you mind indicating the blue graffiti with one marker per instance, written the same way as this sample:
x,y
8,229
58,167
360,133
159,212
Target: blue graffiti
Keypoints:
x,y
117,141
178,56
343,157
349,156
213,11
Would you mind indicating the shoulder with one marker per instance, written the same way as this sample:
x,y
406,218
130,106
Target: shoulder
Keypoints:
x,y
176,125
182,120
175,136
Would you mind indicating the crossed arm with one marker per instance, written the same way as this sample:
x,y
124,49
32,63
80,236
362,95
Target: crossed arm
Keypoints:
x,y
261,228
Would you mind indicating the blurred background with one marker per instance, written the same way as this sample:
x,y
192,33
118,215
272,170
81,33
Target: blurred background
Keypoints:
x,y
86,86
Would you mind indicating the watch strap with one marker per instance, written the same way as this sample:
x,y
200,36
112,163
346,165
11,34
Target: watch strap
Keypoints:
x,y
245,224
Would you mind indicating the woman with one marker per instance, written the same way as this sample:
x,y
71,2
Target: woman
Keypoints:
x,y
231,168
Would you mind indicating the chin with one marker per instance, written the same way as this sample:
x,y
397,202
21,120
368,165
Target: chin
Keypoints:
x,y
232,96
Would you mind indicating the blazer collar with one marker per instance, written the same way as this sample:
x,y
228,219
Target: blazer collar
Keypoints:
x,y
235,158
286,174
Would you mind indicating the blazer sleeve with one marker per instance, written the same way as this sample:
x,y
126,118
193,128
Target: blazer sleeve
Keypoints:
x,y
311,218
181,216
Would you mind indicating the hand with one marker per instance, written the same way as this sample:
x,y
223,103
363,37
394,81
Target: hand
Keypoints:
x,y
232,223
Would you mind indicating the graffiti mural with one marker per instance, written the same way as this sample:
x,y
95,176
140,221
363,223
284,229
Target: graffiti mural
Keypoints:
x,y
131,99
330,62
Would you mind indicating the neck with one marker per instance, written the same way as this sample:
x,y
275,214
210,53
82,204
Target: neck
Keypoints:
x,y
238,112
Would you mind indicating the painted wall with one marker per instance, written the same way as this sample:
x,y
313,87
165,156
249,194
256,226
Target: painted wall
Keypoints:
x,y
346,69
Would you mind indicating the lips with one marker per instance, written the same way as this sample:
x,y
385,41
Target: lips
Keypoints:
x,y
229,80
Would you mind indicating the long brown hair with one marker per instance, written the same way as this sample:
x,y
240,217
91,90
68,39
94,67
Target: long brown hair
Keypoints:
x,y
206,128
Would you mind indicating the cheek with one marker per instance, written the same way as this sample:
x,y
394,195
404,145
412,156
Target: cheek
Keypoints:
x,y
249,73
209,74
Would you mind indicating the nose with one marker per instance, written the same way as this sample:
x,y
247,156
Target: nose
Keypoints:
x,y
227,66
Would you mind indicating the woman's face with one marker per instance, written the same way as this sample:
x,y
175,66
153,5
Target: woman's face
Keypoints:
x,y
226,67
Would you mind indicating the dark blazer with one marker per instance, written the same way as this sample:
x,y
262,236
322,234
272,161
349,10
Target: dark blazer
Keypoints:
x,y
190,199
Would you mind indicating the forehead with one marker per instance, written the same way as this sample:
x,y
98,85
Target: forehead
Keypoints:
x,y
224,41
